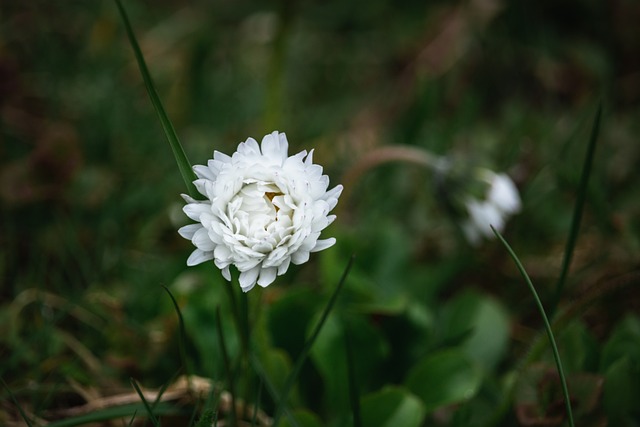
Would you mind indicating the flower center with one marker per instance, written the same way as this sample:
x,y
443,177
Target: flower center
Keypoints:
x,y
260,215
270,195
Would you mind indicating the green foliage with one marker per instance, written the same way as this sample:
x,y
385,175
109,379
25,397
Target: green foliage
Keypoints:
x,y
392,406
620,364
442,333
444,378
479,326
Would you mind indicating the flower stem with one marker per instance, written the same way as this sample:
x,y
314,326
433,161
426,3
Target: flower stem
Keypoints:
x,y
227,368
391,153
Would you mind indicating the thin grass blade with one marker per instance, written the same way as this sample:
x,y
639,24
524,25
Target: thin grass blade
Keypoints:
x,y
577,211
256,406
264,377
307,346
543,314
354,395
115,413
15,402
178,152
152,417
227,367
133,418
164,387
182,336
207,418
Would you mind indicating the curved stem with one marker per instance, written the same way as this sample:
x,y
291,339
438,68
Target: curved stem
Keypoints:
x,y
387,154
547,325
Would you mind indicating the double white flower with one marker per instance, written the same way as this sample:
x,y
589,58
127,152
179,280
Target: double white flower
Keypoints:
x,y
264,210
501,201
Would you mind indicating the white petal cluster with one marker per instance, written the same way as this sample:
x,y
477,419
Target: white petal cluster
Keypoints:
x,y
501,201
263,210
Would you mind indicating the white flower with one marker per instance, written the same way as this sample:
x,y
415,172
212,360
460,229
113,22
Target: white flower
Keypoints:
x,y
502,200
264,210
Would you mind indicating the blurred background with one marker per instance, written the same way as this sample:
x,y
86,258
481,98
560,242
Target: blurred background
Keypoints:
x,y
90,199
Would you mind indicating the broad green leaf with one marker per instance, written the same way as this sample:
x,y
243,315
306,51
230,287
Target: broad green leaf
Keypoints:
x,y
481,325
303,419
623,342
578,347
392,407
622,390
299,304
329,356
444,378
277,365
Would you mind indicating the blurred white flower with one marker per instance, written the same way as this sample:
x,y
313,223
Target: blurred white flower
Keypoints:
x,y
501,201
264,210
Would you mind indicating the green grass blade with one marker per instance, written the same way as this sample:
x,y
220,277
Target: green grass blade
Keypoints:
x,y
183,334
227,367
178,152
256,406
133,418
262,374
164,387
114,413
207,418
15,402
543,314
354,396
307,346
578,210
152,417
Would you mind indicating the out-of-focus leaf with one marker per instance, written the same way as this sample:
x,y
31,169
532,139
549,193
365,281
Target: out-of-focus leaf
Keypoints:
x,y
199,317
444,378
578,348
277,365
366,290
303,419
328,355
622,391
391,407
481,325
296,304
539,399
308,345
620,363
624,342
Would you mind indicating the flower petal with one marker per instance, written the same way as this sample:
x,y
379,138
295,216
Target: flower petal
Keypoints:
x,y
202,241
275,147
300,257
248,278
194,210
188,230
226,273
198,257
282,268
267,276
504,194
323,244
204,172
